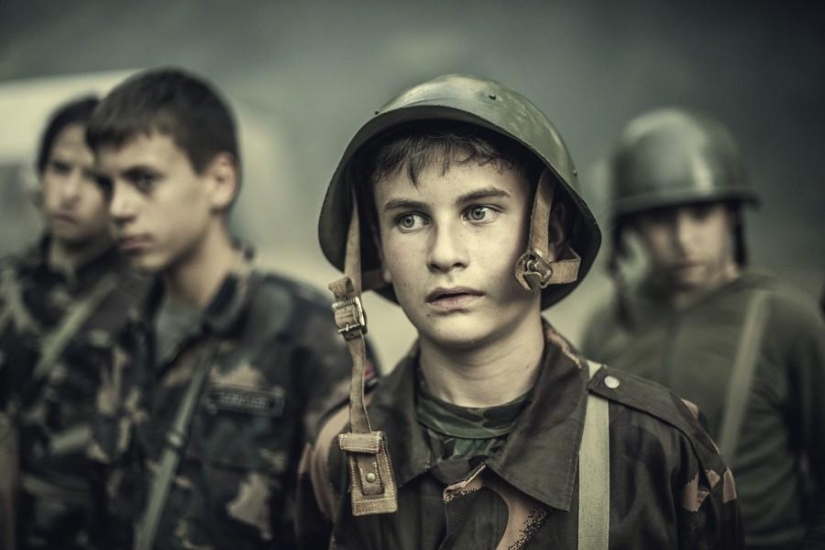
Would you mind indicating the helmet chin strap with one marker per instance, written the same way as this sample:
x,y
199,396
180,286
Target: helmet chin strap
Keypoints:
x,y
372,482
534,269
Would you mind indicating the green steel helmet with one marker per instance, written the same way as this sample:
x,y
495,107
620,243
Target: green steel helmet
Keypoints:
x,y
673,156
471,101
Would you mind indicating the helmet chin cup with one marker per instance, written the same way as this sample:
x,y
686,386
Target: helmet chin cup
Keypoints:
x,y
533,271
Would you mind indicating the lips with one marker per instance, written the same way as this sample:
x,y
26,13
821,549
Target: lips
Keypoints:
x,y
685,264
133,243
67,218
453,298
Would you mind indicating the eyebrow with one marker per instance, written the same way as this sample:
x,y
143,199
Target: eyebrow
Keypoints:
x,y
473,196
481,194
138,170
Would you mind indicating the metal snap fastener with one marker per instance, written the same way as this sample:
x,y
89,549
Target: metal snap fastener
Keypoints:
x,y
611,382
371,477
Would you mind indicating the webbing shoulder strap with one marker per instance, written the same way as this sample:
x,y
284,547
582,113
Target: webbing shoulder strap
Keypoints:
x,y
176,439
739,383
594,473
55,344
11,293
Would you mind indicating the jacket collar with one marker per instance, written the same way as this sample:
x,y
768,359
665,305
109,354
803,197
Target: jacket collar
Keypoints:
x,y
222,314
540,457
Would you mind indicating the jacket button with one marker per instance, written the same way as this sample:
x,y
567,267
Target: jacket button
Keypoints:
x,y
611,382
370,477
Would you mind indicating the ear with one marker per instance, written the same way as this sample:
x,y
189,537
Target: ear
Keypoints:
x,y
558,219
222,174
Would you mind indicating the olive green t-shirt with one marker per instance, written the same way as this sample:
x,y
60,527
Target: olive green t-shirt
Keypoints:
x,y
460,438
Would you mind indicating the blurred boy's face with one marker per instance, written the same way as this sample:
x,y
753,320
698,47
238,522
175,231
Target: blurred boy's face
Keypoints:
x,y
689,246
162,209
449,245
74,207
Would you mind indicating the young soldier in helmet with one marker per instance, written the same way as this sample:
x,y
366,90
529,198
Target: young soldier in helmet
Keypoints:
x,y
226,368
747,351
60,304
459,201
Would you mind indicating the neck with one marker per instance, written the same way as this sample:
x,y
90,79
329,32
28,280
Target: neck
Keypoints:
x,y
488,375
682,299
195,279
68,259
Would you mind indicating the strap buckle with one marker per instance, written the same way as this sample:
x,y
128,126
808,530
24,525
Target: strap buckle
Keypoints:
x,y
533,269
350,317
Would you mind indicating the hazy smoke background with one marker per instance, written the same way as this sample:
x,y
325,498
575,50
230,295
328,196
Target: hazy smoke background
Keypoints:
x,y
304,75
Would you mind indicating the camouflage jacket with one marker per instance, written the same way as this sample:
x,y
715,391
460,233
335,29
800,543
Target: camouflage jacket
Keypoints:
x,y
275,361
780,457
668,486
53,413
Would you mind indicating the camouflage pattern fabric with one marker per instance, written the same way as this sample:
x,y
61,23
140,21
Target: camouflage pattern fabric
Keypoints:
x,y
276,364
780,457
54,415
461,437
669,487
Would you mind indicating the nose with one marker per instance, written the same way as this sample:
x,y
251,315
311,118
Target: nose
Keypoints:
x,y
683,229
70,188
121,203
448,249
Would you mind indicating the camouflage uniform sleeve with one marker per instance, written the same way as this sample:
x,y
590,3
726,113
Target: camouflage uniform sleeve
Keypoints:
x,y
319,485
707,508
656,438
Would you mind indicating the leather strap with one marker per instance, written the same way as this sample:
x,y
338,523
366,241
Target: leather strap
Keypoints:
x,y
534,269
372,482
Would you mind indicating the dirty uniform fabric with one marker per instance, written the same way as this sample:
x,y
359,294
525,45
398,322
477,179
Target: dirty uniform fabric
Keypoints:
x,y
275,363
779,461
53,413
669,488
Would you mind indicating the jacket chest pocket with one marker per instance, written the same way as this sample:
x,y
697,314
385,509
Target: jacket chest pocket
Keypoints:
x,y
243,428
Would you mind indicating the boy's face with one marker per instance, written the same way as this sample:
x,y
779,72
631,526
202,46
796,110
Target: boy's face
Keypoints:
x,y
690,245
162,209
449,247
74,206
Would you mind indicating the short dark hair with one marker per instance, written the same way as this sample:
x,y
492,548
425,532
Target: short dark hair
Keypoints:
x,y
171,102
77,111
418,146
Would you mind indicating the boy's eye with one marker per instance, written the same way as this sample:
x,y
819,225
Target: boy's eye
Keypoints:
x,y
60,167
484,214
410,221
143,180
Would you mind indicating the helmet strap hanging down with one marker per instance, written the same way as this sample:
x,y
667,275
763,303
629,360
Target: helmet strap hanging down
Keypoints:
x,y
534,268
372,483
